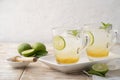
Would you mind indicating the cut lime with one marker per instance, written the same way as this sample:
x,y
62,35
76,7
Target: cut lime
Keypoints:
x,y
24,46
91,36
28,53
59,42
100,67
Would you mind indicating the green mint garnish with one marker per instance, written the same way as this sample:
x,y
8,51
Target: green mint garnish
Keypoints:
x,y
73,32
105,25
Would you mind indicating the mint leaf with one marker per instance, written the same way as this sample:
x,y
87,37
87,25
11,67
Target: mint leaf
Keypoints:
x,y
73,32
106,26
41,53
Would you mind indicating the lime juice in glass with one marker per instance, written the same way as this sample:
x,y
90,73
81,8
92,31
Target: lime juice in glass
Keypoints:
x,y
68,43
100,41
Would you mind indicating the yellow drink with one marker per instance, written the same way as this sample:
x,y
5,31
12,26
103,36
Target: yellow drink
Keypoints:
x,y
70,52
97,52
68,55
67,43
67,58
100,42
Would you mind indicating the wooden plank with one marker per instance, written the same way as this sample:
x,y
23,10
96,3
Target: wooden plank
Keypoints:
x,y
6,71
35,71
40,71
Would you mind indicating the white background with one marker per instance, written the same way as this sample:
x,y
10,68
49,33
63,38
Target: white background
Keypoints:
x,y
32,20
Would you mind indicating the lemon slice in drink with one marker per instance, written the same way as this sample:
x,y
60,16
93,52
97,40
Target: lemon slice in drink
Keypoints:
x,y
59,42
91,36
100,67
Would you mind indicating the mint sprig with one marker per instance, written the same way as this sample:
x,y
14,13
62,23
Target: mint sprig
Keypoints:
x,y
73,32
106,26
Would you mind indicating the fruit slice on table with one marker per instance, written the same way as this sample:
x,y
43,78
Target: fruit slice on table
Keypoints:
x,y
91,36
39,46
24,46
59,42
101,68
28,53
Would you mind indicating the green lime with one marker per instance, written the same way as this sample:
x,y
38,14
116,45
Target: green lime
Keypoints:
x,y
39,46
100,67
28,53
91,36
106,26
58,42
24,46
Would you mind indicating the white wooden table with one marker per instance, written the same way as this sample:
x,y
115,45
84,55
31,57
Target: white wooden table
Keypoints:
x,y
34,71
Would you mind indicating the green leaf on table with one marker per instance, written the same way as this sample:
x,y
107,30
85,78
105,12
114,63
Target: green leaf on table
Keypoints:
x,y
96,73
41,53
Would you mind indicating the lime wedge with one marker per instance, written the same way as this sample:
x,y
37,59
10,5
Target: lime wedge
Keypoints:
x,y
58,42
28,53
100,67
91,36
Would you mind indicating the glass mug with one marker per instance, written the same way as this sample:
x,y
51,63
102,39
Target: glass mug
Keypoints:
x,y
100,41
68,42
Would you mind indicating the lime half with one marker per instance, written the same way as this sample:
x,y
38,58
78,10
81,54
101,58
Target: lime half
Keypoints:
x,y
28,53
24,46
100,67
58,42
91,36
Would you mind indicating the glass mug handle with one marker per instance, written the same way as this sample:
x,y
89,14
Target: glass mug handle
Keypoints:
x,y
114,35
85,41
